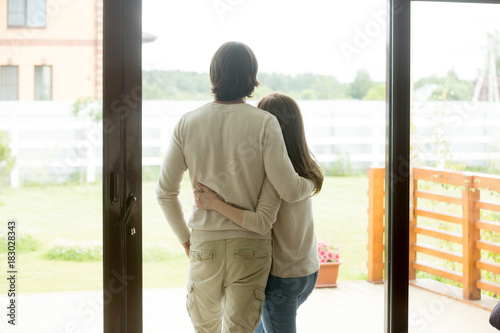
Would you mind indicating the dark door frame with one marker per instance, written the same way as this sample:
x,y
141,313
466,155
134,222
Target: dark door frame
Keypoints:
x,y
122,155
122,166
397,176
397,172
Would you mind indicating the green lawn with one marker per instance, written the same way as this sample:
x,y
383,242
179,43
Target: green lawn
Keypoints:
x,y
73,213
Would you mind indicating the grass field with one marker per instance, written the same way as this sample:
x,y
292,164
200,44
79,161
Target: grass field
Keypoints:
x,y
74,213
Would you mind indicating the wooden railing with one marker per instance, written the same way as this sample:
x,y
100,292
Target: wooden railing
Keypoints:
x,y
469,203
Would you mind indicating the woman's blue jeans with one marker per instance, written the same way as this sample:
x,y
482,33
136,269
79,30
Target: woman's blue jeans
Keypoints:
x,y
283,298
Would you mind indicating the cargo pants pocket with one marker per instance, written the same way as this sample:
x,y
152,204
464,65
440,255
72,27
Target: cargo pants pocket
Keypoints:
x,y
260,296
243,309
191,304
201,255
251,253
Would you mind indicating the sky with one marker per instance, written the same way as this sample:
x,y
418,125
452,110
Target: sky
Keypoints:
x,y
319,36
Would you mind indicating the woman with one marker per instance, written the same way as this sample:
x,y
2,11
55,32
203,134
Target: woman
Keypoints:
x,y
295,260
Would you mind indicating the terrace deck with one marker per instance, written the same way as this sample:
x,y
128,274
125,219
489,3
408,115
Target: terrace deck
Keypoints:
x,y
351,307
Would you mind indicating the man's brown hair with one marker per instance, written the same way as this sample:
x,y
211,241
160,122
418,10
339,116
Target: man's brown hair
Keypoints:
x,y
233,72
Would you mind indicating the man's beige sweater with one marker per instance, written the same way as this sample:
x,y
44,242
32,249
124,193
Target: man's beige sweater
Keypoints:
x,y
229,148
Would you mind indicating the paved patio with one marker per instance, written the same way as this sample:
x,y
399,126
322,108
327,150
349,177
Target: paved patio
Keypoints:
x,y
351,307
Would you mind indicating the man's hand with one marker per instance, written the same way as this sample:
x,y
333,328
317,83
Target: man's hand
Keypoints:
x,y
186,246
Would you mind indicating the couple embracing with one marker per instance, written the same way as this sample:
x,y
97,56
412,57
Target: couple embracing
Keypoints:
x,y
250,240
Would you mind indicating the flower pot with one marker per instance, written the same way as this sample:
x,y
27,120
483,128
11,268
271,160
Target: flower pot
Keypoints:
x,y
327,276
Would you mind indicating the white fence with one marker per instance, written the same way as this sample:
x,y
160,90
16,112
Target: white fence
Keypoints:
x,y
52,145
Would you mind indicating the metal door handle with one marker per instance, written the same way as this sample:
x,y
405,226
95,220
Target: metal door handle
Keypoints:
x,y
130,208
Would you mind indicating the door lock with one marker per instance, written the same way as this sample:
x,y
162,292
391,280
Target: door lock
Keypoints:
x,y
130,207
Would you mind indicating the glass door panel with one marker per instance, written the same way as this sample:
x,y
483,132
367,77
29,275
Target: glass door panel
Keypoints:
x,y
50,166
455,198
332,63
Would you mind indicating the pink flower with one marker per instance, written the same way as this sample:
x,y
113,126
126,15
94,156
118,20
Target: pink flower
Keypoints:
x,y
330,255
322,244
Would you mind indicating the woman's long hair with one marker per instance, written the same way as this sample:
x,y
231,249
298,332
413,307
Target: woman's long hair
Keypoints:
x,y
292,126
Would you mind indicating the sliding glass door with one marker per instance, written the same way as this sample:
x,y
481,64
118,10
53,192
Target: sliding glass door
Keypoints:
x,y
332,63
441,176
51,166
455,112
75,141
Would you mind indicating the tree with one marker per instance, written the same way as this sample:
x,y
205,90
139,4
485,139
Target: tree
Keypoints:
x,y
326,87
376,93
180,85
88,107
175,85
7,161
453,89
261,91
362,83
494,40
449,87
308,94
91,108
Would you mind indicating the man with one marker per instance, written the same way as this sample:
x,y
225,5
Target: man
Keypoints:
x,y
229,146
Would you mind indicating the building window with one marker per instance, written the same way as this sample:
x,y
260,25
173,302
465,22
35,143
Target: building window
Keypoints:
x,y
9,81
43,83
26,13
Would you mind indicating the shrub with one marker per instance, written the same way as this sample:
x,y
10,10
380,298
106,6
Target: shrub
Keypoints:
x,y
7,161
341,167
74,251
92,251
24,243
158,253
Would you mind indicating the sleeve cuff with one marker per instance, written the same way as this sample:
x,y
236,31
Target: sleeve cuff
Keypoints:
x,y
185,236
